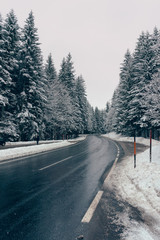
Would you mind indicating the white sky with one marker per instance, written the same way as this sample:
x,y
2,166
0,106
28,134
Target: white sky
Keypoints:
x,y
97,33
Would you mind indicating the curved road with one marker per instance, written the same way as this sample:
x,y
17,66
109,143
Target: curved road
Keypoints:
x,y
45,196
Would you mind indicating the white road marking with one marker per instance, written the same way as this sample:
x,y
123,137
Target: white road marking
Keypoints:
x,y
114,164
51,165
87,217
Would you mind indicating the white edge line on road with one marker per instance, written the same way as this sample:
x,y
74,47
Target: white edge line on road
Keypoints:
x,y
51,165
87,217
114,164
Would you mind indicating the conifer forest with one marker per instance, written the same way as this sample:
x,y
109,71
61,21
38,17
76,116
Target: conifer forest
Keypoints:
x,y
135,105
36,99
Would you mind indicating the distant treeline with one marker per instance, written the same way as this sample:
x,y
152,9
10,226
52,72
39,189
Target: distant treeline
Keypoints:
x,y
135,105
34,98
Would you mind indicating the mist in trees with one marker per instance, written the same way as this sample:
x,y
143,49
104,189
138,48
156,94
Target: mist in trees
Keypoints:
x,y
34,97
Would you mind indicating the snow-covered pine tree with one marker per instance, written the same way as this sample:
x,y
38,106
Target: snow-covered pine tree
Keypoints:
x,y
67,78
82,104
111,121
10,41
52,95
142,75
63,115
151,98
32,97
155,46
4,74
67,74
107,106
90,118
125,84
151,101
5,81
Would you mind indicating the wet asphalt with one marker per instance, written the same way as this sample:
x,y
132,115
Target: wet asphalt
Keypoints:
x,y
45,196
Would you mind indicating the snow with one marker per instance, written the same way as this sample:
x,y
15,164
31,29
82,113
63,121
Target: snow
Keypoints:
x,y
29,150
119,137
140,187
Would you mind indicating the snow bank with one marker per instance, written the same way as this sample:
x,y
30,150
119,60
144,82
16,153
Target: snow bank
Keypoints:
x,y
119,137
28,150
140,187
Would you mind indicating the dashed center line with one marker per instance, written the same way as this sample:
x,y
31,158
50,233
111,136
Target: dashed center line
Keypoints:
x,y
51,165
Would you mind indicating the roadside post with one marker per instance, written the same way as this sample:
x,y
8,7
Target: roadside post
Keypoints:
x,y
150,145
135,149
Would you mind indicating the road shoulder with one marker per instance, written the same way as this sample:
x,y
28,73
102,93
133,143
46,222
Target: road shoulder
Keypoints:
x,y
127,200
119,215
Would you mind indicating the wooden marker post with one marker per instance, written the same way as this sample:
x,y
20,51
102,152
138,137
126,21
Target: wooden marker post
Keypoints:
x,y
150,145
135,149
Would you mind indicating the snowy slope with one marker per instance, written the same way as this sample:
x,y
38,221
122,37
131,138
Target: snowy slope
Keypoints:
x,y
140,187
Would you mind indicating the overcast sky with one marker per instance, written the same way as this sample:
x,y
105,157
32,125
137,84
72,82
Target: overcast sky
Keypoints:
x,y
97,33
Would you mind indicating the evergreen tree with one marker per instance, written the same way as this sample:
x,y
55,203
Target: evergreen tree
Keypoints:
x,y
31,83
100,119
142,75
51,93
51,77
107,107
111,122
123,98
135,103
5,81
82,104
67,75
63,115
90,119
151,101
10,37
67,78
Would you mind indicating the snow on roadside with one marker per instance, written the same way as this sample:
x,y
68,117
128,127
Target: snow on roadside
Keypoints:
x,y
140,187
119,137
29,150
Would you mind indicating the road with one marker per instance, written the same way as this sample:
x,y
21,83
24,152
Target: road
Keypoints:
x,y
45,196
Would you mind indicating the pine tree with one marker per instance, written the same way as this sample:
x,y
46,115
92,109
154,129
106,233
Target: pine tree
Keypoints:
x,y
107,107
150,96
100,118
5,81
10,45
142,75
63,115
124,96
111,121
82,104
151,101
31,83
51,93
90,119
5,78
67,78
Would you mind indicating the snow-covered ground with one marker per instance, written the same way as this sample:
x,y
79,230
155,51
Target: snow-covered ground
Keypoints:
x,y
140,187
11,153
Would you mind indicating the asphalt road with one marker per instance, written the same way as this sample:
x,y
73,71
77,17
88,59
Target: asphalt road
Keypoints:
x,y
45,196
